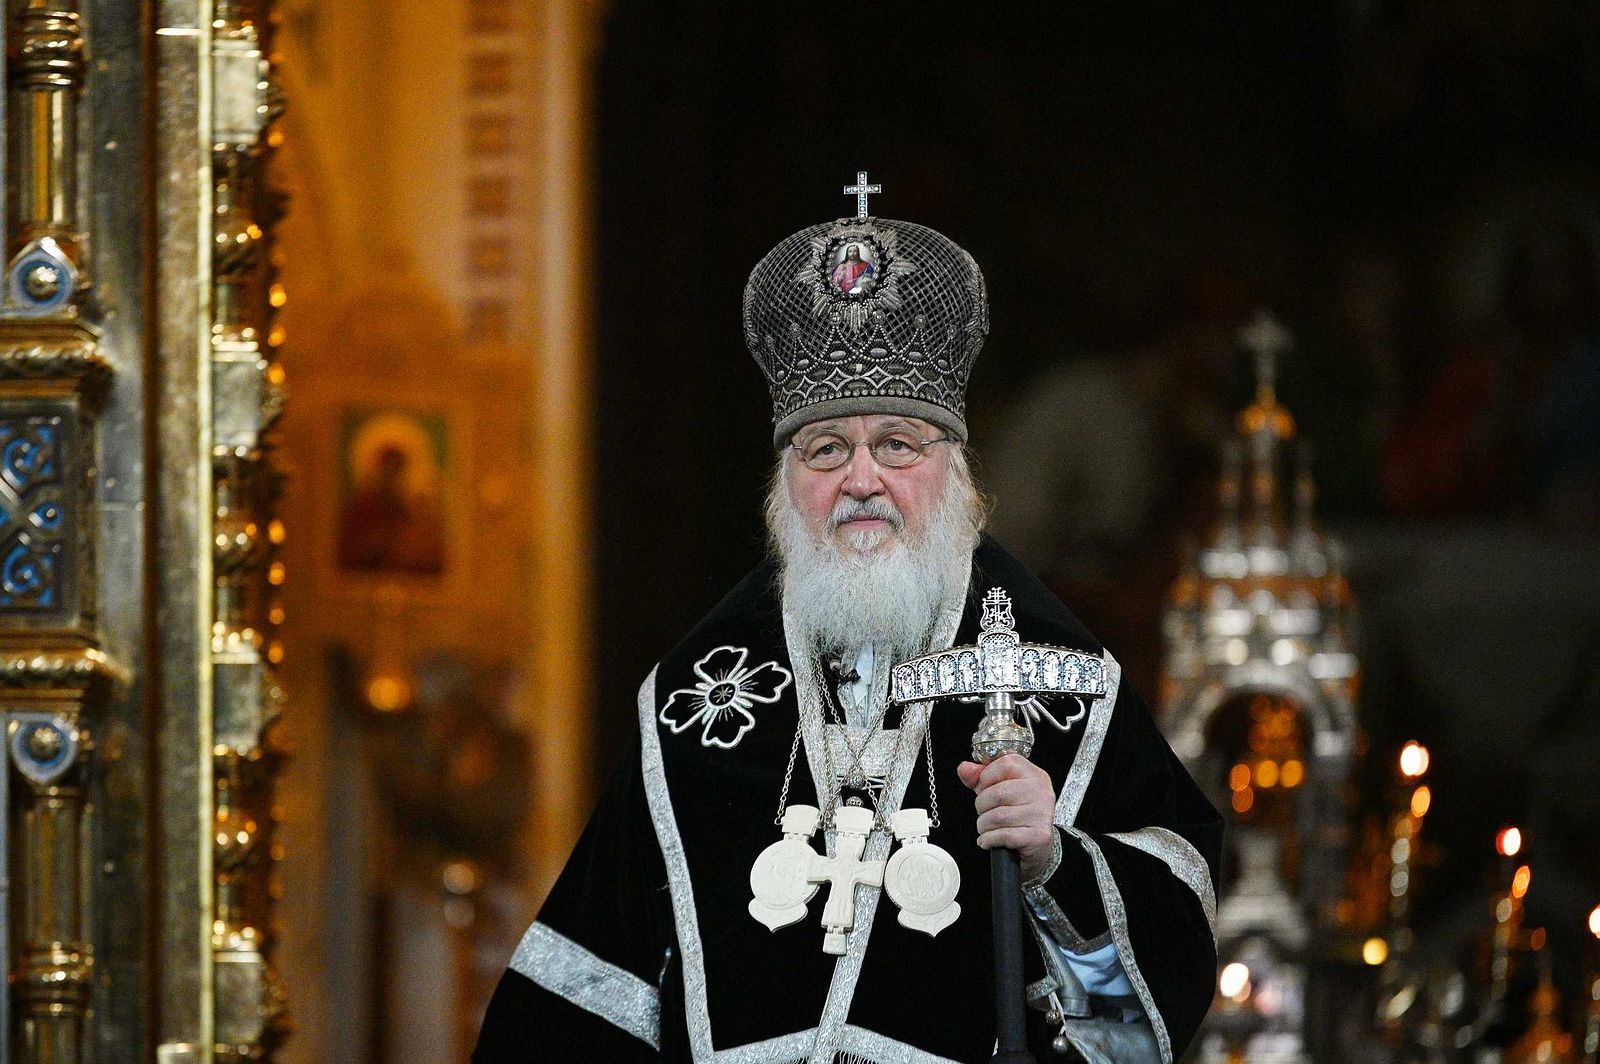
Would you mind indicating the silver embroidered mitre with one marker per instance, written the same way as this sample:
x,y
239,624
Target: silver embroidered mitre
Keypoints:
x,y
866,316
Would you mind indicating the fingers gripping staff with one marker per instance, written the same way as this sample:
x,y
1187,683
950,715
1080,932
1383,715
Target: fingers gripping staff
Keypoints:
x,y
998,669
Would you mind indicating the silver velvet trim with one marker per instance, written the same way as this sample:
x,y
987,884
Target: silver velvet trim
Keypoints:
x,y
697,1013
1117,919
566,969
1050,866
1094,734
1184,860
858,1042
854,1044
785,1049
1047,909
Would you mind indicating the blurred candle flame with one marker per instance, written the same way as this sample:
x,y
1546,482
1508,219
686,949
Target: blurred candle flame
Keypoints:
x,y
1234,982
1519,881
1421,799
1508,843
1413,760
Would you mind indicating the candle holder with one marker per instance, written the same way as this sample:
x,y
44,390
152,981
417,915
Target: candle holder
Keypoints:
x,y
1430,1014
1236,1017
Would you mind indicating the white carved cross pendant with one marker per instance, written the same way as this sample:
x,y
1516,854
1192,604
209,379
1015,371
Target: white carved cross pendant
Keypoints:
x,y
843,872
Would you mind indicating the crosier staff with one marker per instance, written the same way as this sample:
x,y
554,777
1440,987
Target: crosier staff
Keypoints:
x,y
998,669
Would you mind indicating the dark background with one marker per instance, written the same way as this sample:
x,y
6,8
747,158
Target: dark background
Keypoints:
x,y
1411,187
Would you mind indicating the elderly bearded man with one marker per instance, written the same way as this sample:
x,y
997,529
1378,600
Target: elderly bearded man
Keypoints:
x,y
730,899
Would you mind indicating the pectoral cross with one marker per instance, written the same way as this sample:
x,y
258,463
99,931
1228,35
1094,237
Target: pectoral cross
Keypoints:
x,y
861,190
843,872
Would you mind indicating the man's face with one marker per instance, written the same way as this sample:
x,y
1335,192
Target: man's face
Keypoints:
x,y
914,491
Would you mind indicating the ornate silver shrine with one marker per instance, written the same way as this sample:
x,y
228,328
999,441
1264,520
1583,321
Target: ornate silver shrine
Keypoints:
x,y
1259,697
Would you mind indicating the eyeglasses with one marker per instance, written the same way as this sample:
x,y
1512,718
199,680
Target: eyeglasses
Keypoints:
x,y
895,449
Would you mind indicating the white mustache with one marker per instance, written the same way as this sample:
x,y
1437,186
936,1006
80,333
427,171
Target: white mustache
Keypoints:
x,y
875,507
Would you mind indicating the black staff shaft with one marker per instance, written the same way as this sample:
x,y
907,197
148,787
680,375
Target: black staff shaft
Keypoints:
x,y
1005,889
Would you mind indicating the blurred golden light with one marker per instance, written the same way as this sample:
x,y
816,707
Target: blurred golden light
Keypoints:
x,y
1267,774
388,694
277,336
1293,773
1421,799
1594,921
1536,939
276,615
275,530
1413,760
275,653
1243,799
277,573
1234,982
1520,881
1239,777
1508,843
1374,951
277,296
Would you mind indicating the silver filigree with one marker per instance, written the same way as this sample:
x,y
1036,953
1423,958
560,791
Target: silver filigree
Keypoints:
x,y
568,970
900,336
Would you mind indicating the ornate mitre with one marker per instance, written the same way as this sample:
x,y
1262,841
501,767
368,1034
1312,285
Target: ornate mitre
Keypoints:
x,y
866,316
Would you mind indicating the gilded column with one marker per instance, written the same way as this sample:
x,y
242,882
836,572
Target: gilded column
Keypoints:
x,y
54,680
44,248
247,395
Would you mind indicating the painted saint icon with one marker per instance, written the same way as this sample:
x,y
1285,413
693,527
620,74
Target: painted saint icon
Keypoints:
x,y
854,273
391,517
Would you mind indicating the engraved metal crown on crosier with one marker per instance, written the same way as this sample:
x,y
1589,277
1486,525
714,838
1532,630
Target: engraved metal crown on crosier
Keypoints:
x,y
999,662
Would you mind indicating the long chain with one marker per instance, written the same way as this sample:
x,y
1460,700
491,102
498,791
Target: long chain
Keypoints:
x,y
834,781
844,732
788,774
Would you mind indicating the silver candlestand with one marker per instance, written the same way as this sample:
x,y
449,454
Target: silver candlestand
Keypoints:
x,y
998,669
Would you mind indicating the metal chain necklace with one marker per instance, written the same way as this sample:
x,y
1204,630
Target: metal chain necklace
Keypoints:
x,y
920,878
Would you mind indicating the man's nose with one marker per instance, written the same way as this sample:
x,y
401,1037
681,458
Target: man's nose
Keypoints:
x,y
863,476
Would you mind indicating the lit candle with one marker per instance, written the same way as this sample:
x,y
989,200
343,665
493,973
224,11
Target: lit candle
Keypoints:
x,y
1404,836
1508,907
1234,982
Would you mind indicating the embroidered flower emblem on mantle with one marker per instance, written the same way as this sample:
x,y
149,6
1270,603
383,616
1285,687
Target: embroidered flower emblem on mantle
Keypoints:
x,y
721,699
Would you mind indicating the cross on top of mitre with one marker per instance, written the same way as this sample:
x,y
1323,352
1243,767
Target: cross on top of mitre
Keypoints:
x,y
1000,661
861,190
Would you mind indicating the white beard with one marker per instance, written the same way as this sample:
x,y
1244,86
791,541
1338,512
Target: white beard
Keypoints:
x,y
863,590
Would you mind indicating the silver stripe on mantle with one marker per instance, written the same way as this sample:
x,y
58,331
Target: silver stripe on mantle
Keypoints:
x,y
855,1044
1184,860
1117,920
616,995
1094,734
697,1012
